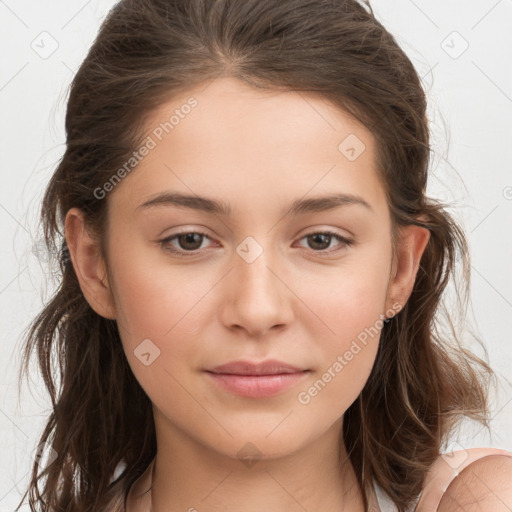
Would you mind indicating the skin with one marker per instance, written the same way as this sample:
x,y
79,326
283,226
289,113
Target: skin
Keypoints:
x,y
482,485
257,151
485,485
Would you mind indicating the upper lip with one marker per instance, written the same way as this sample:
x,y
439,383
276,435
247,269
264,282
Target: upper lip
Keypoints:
x,y
269,367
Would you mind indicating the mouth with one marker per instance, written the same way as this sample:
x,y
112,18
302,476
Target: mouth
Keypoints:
x,y
269,367
256,380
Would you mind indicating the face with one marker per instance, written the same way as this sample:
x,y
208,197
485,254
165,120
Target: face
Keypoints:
x,y
281,274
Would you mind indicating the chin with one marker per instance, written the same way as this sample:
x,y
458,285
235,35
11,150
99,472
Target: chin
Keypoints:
x,y
251,445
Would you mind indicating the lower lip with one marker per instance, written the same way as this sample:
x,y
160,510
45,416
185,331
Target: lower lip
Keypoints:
x,y
257,386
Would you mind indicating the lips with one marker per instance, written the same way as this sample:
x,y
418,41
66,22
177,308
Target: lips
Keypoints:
x,y
269,367
256,380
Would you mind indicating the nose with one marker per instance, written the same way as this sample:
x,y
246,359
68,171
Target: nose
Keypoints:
x,y
257,295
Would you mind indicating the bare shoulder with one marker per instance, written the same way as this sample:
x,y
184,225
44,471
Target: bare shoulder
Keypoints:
x,y
484,485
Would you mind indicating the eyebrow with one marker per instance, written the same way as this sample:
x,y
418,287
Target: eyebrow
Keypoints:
x,y
298,207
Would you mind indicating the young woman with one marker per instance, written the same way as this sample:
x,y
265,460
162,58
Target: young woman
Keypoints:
x,y
251,274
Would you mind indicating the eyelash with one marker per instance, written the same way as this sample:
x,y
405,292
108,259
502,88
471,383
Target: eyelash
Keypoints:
x,y
180,253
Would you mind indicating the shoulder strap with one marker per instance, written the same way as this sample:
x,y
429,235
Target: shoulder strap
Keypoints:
x,y
445,469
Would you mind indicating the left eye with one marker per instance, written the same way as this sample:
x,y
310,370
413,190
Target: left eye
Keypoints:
x,y
190,242
324,238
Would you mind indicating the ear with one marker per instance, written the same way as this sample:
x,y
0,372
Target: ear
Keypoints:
x,y
89,265
411,243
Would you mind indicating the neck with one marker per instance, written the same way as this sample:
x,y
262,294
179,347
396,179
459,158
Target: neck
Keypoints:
x,y
186,476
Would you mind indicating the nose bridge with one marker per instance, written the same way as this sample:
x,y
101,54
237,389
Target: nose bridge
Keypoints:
x,y
252,267
259,298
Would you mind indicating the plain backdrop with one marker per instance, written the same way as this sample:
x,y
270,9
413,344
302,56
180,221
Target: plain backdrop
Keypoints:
x,y
462,50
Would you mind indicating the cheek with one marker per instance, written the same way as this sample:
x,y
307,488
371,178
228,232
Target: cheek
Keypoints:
x,y
160,303
347,343
348,306
345,300
331,391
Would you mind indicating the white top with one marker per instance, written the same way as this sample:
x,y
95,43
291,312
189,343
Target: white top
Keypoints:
x,y
385,503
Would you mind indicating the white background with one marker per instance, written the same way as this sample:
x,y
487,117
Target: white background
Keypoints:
x,y
470,94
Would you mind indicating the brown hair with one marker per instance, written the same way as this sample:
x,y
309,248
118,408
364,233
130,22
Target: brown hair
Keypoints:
x,y
146,51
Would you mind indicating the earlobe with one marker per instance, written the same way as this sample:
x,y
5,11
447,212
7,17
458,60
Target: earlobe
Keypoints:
x,y
412,242
89,264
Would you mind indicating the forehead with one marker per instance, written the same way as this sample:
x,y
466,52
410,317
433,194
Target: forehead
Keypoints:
x,y
246,145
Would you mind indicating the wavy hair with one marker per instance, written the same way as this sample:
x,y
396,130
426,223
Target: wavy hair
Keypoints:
x,y
423,380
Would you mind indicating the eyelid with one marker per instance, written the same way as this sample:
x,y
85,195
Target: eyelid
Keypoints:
x,y
344,241
183,231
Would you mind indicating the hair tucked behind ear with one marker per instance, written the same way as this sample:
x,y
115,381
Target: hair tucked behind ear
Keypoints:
x,y
423,380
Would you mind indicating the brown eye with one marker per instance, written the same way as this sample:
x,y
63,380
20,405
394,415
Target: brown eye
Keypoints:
x,y
183,243
190,241
321,241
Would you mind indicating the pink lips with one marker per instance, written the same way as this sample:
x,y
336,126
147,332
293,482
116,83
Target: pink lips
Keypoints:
x,y
256,380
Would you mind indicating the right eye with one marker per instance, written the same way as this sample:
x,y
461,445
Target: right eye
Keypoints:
x,y
188,242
